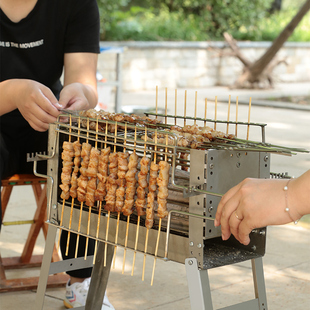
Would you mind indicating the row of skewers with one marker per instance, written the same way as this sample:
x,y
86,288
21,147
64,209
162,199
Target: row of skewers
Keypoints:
x,y
91,175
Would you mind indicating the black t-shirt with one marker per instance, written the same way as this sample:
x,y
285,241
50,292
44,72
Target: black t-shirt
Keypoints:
x,y
34,47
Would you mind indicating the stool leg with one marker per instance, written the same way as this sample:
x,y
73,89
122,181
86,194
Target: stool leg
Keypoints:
x,y
45,267
5,197
35,228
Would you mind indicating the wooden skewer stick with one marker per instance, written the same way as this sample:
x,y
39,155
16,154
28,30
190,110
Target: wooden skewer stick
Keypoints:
x,y
156,250
159,226
98,203
205,122
138,222
81,209
228,115
236,129
136,245
107,227
147,231
215,112
126,241
109,213
89,210
195,107
72,203
118,213
166,102
63,201
185,101
249,117
175,107
145,249
156,101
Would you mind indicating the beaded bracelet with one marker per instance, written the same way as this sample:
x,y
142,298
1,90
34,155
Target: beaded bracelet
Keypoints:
x,y
287,209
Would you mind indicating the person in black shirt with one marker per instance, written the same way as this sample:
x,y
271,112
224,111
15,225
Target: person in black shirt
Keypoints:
x,y
40,40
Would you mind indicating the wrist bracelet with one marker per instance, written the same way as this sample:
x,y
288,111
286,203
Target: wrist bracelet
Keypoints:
x,y
287,209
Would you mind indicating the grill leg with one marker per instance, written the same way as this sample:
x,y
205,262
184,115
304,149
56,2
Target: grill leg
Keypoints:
x,y
259,282
198,285
45,266
99,278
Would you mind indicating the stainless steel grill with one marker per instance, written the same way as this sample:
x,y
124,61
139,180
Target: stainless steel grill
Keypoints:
x,y
198,178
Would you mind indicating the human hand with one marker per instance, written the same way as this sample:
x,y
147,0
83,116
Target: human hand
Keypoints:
x,y
251,204
75,97
36,103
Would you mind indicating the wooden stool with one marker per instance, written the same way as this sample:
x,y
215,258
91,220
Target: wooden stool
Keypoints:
x,y
27,259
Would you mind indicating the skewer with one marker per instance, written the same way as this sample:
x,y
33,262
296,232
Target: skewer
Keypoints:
x,y
228,114
147,231
109,212
72,203
118,215
185,99
89,210
175,107
215,112
249,116
156,101
236,129
81,208
195,107
63,201
138,221
166,102
159,226
205,122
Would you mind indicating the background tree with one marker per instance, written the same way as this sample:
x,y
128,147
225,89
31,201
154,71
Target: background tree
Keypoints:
x,y
256,73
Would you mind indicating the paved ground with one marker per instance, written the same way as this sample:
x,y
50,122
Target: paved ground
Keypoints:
x,y
286,263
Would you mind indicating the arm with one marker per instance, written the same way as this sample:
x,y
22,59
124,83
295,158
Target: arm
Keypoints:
x,y
80,85
259,203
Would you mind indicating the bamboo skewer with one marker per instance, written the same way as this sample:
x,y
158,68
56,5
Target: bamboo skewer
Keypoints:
x,y
63,201
147,231
81,208
236,129
72,203
228,115
249,117
185,102
205,122
159,226
90,208
215,112
195,107
175,108
109,212
166,102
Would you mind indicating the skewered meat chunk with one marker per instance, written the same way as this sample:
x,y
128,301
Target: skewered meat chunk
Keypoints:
x,y
111,183
91,172
83,179
162,181
67,164
77,161
102,174
122,169
142,180
130,184
151,196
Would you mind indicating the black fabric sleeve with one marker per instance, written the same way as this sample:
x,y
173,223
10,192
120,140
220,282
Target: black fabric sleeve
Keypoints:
x,y
83,30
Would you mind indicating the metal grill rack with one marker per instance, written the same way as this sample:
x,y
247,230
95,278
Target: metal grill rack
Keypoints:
x,y
198,178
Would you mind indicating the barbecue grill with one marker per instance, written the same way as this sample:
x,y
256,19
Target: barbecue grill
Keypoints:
x,y
200,173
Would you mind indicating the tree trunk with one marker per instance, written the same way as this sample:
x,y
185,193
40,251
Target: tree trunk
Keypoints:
x,y
254,72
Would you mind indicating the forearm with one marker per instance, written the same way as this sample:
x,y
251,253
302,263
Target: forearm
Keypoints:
x,y
298,196
7,103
